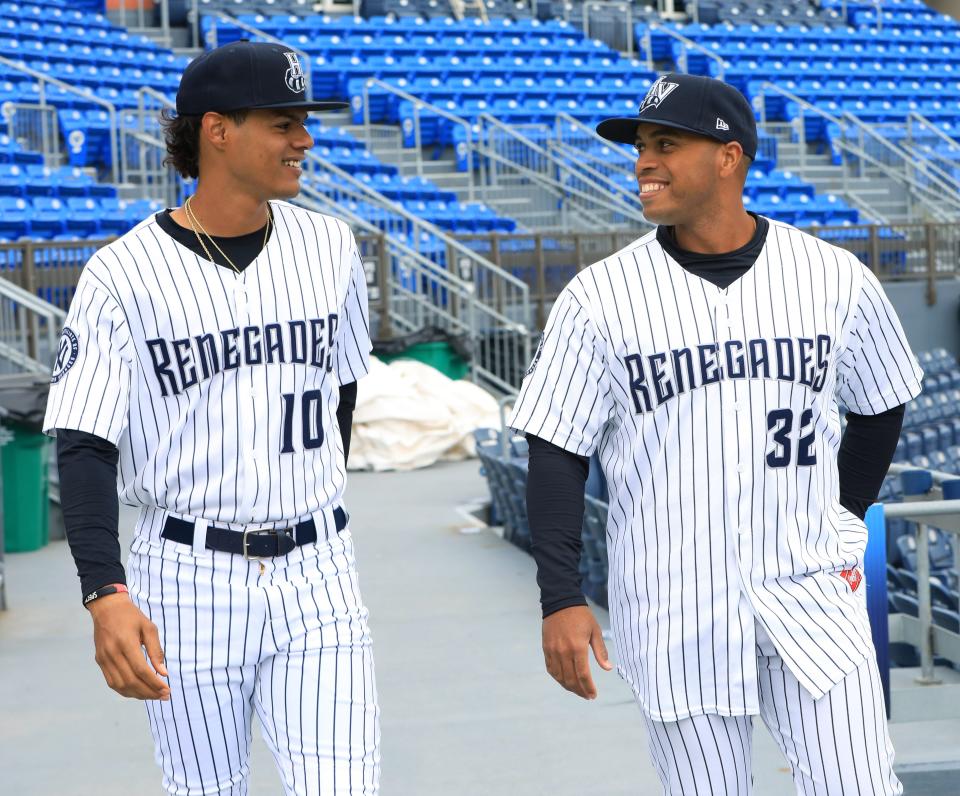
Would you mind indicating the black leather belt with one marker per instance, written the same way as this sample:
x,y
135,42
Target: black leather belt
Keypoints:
x,y
251,544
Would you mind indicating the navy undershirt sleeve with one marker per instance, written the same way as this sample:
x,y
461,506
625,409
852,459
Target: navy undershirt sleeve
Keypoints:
x,y
91,509
866,451
88,498
555,489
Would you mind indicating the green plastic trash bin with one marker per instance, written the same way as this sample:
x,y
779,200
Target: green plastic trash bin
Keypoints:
x,y
24,463
438,354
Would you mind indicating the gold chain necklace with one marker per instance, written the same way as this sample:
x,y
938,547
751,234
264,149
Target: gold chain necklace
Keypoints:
x,y
195,222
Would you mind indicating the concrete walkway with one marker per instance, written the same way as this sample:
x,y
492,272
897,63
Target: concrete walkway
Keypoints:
x,y
467,707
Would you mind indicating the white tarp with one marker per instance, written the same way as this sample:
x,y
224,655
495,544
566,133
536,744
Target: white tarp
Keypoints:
x,y
410,415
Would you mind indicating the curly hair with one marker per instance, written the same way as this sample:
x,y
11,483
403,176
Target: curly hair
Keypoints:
x,y
182,137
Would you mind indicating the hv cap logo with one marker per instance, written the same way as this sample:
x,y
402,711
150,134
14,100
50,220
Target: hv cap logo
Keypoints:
x,y
657,93
294,77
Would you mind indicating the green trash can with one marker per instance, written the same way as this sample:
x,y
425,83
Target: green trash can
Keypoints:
x,y
24,463
438,354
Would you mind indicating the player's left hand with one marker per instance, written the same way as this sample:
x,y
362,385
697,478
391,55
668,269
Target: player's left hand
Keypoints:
x,y
567,635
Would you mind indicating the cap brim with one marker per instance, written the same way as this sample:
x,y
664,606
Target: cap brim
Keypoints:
x,y
624,130
308,105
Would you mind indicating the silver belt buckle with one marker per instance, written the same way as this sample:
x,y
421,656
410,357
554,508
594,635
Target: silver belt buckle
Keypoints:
x,y
258,532
246,544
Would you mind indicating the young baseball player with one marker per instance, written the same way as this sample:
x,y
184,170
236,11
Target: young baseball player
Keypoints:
x,y
705,364
207,371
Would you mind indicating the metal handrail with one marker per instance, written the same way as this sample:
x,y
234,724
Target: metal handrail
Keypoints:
x,y
476,316
915,188
932,128
426,226
590,132
418,106
39,309
87,94
555,186
943,181
928,163
687,43
223,17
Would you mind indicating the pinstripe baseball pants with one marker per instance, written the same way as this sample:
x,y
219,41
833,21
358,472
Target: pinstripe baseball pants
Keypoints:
x,y
291,642
836,746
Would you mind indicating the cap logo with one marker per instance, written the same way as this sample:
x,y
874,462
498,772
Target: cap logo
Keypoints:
x,y
294,77
722,125
657,93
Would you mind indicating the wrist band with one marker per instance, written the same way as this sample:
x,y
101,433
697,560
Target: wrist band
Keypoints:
x,y
103,591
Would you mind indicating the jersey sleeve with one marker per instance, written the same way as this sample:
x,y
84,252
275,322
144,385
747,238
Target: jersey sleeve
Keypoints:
x,y
876,370
565,397
353,333
90,384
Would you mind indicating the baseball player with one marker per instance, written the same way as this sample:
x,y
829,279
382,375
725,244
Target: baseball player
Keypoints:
x,y
704,363
207,371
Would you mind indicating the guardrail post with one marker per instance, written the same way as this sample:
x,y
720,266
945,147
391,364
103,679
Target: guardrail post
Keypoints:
x,y
925,614
916,486
931,236
541,282
383,277
874,264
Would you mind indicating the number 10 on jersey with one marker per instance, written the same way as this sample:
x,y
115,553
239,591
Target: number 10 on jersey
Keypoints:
x,y
311,423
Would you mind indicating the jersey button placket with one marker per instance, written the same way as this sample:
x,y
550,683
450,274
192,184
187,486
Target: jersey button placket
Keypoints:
x,y
245,395
731,407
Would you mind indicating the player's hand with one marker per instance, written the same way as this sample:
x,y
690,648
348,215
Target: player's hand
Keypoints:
x,y
567,635
120,630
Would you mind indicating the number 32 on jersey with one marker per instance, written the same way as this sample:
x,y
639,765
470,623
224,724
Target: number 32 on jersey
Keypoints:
x,y
783,439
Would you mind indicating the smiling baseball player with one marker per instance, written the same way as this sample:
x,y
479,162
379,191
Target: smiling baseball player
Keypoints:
x,y
208,371
704,364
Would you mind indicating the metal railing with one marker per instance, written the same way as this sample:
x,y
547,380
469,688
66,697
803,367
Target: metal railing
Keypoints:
x,y
29,328
864,148
145,150
37,127
575,140
580,197
927,142
43,80
419,107
928,510
688,44
546,261
495,154
444,283
213,41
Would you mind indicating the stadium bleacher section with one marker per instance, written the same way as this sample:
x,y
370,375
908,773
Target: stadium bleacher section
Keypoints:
x,y
523,72
880,74
932,420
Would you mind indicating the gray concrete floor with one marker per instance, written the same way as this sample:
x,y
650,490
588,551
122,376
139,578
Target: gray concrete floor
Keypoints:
x,y
467,707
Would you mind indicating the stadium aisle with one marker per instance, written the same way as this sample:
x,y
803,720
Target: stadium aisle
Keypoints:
x,y
467,707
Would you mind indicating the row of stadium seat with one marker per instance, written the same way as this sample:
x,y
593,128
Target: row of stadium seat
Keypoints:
x,y
35,179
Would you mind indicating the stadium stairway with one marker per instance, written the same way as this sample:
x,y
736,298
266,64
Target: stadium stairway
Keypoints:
x,y
877,197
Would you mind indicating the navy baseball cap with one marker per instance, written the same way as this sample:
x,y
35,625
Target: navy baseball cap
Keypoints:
x,y
246,75
694,103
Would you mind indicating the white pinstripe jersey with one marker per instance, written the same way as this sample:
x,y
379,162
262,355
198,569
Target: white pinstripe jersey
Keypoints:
x,y
219,389
715,415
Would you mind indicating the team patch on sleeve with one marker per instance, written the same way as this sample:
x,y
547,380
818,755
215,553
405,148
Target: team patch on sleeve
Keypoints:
x,y
67,350
536,357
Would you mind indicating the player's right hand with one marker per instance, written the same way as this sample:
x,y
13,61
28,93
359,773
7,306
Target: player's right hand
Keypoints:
x,y
120,631
567,635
